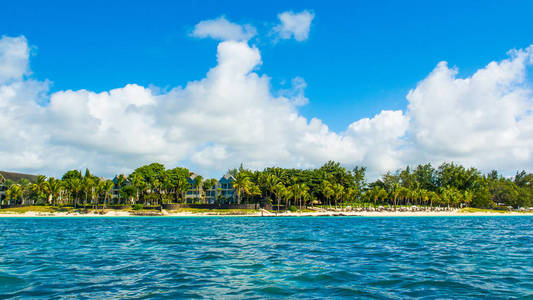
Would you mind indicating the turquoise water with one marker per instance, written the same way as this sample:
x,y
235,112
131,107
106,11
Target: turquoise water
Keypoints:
x,y
333,257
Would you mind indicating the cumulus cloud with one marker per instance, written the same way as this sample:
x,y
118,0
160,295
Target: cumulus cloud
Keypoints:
x,y
228,117
294,25
222,29
297,92
380,139
14,58
232,116
484,120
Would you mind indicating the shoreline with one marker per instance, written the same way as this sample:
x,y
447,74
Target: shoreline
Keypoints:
x,y
453,213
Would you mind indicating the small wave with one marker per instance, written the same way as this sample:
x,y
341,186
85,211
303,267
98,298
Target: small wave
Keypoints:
x,y
276,291
10,283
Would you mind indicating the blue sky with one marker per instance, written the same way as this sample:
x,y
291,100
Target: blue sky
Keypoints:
x,y
361,56
110,85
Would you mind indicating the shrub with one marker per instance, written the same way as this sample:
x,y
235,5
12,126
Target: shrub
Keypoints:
x,y
137,207
293,208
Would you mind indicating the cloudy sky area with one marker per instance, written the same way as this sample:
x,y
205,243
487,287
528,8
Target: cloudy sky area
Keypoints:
x,y
235,111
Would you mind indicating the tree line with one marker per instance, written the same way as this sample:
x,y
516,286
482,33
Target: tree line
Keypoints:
x,y
447,186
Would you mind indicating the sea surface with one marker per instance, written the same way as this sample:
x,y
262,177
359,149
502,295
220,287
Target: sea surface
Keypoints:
x,y
246,257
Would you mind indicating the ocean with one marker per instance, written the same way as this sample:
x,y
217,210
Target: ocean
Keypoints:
x,y
266,257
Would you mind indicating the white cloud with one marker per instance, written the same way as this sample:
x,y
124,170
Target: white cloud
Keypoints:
x,y
294,25
297,92
212,124
222,29
233,116
380,139
14,58
484,120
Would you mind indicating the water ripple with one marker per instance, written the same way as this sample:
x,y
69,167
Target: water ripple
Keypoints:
x,y
168,258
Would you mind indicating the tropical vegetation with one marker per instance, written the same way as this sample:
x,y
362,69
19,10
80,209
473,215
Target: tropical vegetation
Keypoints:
x,y
330,186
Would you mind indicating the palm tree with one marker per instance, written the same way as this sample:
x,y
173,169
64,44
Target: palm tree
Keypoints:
x,y
182,187
198,185
306,198
467,197
241,184
121,179
295,191
208,185
395,193
351,194
18,193
137,181
287,194
87,188
404,194
39,187
432,197
270,182
378,193
156,185
424,197
107,186
327,190
14,193
303,191
54,190
75,186
25,189
279,191
382,194
254,190
99,190
338,192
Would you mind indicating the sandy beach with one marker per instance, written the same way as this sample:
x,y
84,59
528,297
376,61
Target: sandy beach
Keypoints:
x,y
450,213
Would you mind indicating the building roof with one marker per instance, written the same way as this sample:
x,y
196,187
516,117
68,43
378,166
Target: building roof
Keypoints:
x,y
16,177
227,178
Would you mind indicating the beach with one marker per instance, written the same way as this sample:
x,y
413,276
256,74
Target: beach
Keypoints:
x,y
263,213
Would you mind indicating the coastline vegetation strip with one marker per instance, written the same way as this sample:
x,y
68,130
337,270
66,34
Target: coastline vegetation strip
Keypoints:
x,y
216,211
37,209
328,188
490,211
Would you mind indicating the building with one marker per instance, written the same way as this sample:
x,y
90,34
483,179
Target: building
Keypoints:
x,y
226,192
115,192
222,192
3,189
194,194
17,177
6,177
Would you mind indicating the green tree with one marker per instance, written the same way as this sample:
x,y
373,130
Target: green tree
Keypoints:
x,y
54,189
198,185
338,193
279,192
327,191
75,185
71,174
107,186
241,184
14,193
120,182
128,192
395,193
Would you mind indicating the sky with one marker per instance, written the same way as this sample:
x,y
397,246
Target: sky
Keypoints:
x,y
212,84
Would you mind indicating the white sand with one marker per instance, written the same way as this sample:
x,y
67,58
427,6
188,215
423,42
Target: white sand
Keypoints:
x,y
285,214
